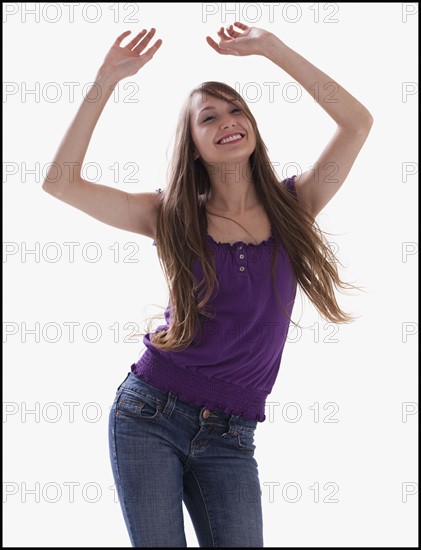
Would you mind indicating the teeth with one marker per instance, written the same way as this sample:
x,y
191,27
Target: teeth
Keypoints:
x,y
232,138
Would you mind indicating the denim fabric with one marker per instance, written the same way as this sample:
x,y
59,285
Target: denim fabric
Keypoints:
x,y
165,451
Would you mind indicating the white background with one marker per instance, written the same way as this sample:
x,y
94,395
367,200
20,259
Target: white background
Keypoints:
x,y
366,369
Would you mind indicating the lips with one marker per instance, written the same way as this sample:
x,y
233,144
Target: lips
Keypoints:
x,y
230,135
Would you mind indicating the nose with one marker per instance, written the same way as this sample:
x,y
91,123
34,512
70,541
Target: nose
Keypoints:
x,y
228,123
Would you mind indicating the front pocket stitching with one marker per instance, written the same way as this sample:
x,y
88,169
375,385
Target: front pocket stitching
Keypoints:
x,y
139,405
144,396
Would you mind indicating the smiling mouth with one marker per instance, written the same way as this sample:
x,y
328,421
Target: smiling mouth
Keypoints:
x,y
233,139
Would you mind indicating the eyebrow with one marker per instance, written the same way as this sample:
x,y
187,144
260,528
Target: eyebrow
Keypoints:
x,y
205,109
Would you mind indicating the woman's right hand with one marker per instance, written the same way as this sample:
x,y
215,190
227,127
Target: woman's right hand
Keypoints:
x,y
121,62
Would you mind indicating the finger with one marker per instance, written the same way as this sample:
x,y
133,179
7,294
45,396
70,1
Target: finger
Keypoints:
x,y
215,46
211,42
240,25
154,48
142,45
120,38
232,32
136,39
222,34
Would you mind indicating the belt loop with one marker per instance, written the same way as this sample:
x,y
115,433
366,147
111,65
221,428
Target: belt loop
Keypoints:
x,y
232,422
169,405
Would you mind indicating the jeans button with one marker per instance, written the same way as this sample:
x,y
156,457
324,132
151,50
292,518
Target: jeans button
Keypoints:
x,y
206,413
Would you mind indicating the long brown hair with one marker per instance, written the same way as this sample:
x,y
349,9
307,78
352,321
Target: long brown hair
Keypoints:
x,y
182,228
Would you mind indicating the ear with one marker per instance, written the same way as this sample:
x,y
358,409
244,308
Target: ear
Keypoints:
x,y
195,155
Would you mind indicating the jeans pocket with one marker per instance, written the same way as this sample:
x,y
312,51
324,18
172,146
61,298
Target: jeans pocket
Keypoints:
x,y
138,406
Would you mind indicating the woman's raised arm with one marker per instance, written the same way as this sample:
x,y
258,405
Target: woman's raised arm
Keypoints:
x,y
316,186
134,212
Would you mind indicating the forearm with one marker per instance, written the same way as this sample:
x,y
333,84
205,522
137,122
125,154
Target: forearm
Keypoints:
x,y
67,163
345,109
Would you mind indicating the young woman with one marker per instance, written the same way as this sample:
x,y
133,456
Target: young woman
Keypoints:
x,y
234,243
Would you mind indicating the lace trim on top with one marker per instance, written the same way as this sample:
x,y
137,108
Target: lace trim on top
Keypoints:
x,y
289,182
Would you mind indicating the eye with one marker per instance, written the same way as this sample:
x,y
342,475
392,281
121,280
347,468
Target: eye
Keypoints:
x,y
210,117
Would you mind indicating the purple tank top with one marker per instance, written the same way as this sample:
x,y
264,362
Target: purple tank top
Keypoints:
x,y
236,363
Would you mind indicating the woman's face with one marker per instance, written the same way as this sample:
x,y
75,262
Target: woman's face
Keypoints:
x,y
212,119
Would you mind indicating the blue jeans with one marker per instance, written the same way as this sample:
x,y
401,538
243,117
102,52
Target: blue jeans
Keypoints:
x,y
165,451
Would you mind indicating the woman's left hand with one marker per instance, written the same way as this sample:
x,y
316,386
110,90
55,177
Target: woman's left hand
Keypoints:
x,y
250,41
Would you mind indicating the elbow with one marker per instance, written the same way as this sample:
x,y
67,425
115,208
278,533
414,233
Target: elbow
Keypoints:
x,y
360,127
48,183
48,187
366,122
53,189
360,123
45,187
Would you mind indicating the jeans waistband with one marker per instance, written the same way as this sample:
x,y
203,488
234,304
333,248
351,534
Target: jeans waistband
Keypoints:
x,y
169,401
